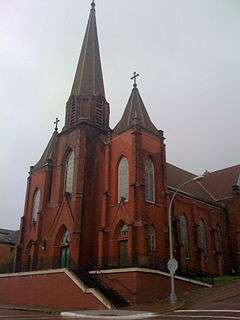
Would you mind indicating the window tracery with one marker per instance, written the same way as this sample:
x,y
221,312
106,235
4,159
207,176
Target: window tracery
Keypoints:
x,y
149,181
203,239
36,205
69,173
123,180
184,235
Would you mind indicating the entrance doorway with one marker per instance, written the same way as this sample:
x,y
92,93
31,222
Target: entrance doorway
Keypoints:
x,y
123,253
123,247
64,250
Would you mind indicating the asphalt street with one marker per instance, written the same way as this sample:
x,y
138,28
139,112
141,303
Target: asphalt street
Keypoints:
x,y
233,314
216,303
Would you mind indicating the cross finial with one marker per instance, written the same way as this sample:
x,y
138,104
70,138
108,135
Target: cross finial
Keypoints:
x,y
93,5
134,78
56,124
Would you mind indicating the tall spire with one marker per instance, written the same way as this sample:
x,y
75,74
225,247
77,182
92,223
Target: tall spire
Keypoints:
x,y
89,78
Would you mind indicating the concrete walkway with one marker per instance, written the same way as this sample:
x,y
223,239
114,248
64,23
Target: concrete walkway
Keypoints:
x,y
110,314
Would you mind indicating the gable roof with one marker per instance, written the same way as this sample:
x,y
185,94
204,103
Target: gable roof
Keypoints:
x,y
177,176
48,152
220,182
8,236
135,113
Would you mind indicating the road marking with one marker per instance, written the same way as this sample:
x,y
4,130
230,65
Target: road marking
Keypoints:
x,y
223,311
116,315
198,317
24,317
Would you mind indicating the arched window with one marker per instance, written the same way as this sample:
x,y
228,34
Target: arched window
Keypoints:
x,y
203,239
184,235
218,239
123,232
69,173
151,238
123,180
149,181
36,204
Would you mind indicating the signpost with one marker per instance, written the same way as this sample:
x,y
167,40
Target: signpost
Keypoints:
x,y
172,266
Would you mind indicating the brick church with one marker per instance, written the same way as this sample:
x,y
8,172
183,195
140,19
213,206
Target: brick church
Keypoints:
x,y
98,197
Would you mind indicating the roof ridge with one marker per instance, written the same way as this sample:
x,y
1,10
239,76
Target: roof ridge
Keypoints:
x,y
168,163
234,166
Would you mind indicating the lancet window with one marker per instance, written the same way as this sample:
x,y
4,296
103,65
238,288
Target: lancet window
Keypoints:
x,y
203,238
184,235
123,180
69,173
36,204
149,181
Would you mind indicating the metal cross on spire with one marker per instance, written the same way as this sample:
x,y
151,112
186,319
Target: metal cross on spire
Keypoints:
x,y
93,4
134,78
56,124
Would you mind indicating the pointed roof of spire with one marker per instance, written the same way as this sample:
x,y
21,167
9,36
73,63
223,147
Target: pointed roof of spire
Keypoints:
x,y
135,114
89,78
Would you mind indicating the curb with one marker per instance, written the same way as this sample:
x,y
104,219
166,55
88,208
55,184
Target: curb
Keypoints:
x,y
23,308
94,315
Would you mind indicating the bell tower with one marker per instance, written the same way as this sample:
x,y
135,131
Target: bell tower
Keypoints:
x,y
87,103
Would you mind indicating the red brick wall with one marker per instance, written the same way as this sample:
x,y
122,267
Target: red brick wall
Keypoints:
x,y
7,253
141,287
95,228
54,290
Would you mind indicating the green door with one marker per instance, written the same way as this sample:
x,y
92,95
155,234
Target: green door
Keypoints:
x,y
64,257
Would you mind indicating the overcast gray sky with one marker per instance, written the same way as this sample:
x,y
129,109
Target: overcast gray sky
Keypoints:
x,y
188,55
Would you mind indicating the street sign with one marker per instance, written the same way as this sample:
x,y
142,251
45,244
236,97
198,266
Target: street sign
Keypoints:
x,y
172,265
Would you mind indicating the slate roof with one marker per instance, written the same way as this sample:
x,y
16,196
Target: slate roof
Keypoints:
x,y
135,113
48,153
220,182
89,78
8,236
214,186
177,176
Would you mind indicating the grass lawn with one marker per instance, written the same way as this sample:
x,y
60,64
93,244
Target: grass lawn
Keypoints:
x,y
226,279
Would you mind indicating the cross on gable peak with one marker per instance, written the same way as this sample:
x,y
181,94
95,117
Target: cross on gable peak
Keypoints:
x,y
56,124
134,78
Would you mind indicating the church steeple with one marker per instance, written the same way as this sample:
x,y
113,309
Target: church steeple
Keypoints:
x,y
135,113
89,78
87,100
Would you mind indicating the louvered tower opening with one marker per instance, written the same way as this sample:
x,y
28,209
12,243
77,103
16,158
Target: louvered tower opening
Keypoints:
x,y
73,114
99,112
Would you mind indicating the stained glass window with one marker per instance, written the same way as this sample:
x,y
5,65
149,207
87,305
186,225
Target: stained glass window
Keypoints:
x,y
69,173
123,180
149,181
203,238
184,235
36,204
